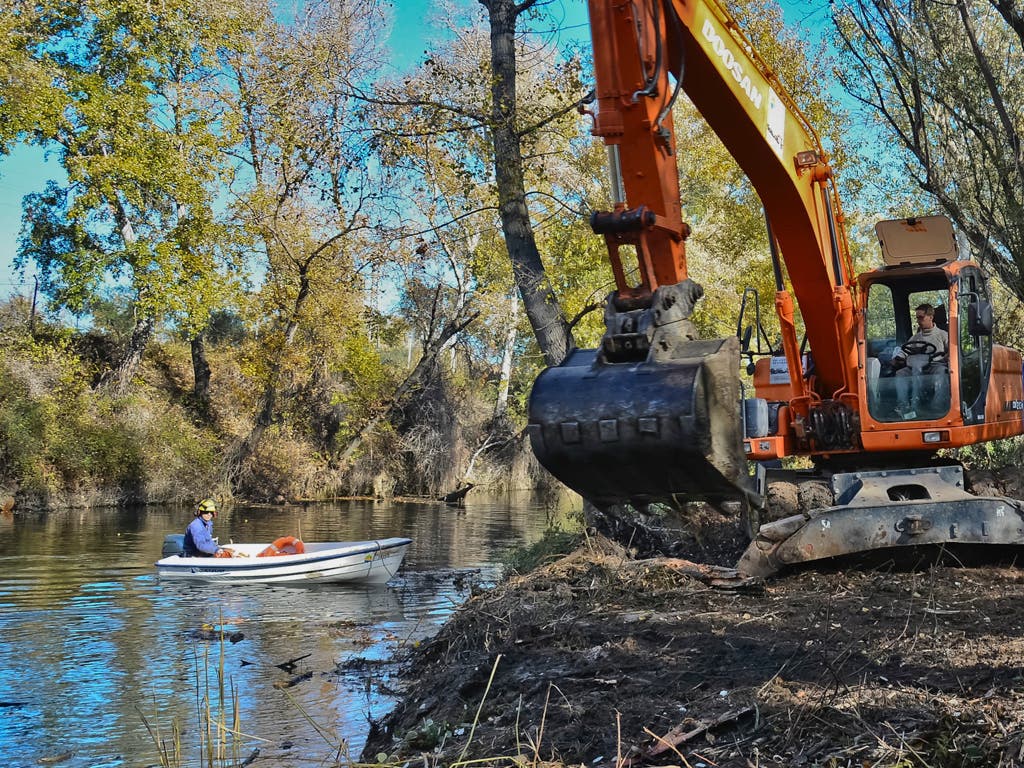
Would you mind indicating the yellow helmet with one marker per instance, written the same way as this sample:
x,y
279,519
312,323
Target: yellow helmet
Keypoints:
x,y
206,505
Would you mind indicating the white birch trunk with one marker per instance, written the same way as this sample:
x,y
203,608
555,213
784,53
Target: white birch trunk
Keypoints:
x,y
506,358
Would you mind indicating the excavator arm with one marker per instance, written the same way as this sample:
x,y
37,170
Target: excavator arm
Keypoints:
x,y
653,414
644,53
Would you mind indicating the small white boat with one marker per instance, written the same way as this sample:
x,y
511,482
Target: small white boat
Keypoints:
x,y
372,562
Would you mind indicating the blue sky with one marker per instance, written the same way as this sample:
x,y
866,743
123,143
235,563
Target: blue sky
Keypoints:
x,y
22,172
27,170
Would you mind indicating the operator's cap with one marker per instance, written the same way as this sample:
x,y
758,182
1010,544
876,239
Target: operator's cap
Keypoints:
x,y
206,505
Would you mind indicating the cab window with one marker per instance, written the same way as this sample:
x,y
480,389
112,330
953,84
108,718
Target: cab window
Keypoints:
x,y
975,351
900,386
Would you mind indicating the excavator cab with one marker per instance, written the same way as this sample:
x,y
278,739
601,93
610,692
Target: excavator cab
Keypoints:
x,y
927,313
907,378
911,380
931,378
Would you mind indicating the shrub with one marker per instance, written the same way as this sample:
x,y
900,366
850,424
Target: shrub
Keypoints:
x,y
59,438
283,468
553,544
996,454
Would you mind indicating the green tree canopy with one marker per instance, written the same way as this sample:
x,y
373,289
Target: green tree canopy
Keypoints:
x,y
120,92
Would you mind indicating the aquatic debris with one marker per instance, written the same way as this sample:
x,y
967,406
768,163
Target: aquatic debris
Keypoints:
x,y
55,758
291,664
209,632
292,681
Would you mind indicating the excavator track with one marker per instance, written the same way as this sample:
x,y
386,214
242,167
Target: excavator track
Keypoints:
x,y
882,510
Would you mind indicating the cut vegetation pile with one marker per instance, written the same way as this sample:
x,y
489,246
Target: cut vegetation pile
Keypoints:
x,y
599,658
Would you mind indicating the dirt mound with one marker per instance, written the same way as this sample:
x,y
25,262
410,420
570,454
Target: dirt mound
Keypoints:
x,y
598,658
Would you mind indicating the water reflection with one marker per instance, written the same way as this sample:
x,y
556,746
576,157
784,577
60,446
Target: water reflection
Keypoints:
x,y
93,641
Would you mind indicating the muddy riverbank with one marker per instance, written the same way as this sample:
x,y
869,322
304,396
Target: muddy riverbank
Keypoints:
x,y
600,659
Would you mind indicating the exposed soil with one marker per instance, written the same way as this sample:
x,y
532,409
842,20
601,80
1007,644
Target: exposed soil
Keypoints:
x,y
604,659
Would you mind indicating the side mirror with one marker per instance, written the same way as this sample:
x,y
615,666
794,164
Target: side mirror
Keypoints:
x,y
745,341
979,318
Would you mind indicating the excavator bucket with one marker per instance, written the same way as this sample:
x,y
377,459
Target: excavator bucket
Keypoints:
x,y
655,430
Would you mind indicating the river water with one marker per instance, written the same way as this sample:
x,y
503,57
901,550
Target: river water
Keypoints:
x,y
101,659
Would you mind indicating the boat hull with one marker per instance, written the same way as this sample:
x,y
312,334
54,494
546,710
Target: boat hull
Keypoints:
x,y
366,562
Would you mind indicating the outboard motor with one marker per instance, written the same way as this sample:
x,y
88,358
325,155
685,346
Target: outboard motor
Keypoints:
x,y
174,544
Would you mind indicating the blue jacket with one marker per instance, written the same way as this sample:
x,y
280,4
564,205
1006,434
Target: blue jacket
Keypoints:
x,y
199,539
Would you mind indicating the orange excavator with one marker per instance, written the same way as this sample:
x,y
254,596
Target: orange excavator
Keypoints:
x,y
657,415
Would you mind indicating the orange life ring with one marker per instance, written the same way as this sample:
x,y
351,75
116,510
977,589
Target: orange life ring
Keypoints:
x,y
286,545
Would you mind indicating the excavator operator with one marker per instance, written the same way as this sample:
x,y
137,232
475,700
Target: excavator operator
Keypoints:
x,y
929,337
926,352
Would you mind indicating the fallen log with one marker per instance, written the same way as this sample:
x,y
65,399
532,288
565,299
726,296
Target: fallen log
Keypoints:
x,y
458,496
716,576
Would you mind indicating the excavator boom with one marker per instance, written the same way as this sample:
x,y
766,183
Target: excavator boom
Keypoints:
x,y
695,46
653,414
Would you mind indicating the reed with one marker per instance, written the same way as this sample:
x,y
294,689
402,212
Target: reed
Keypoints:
x,y
218,717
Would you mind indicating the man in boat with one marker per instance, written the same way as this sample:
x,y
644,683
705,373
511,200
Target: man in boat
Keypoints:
x,y
199,541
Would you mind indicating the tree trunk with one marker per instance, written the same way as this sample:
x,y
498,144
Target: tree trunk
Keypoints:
x,y
201,373
120,378
506,360
542,308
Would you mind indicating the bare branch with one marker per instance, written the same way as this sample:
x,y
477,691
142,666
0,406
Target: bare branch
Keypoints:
x,y
553,116
584,312
438,105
